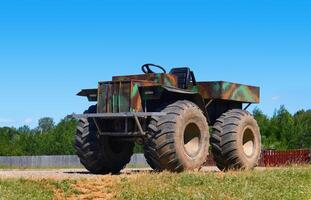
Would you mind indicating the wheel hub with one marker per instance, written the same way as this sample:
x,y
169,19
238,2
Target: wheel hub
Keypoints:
x,y
248,142
192,139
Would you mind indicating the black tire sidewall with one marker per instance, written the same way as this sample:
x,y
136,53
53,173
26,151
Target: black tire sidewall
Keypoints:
x,y
104,160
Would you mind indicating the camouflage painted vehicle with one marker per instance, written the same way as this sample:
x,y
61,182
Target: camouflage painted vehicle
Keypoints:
x,y
170,114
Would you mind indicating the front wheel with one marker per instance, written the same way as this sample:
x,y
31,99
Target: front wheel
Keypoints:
x,y
236,141
101,154
179,140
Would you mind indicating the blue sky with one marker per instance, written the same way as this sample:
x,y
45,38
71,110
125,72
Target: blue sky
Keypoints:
x,y
49,50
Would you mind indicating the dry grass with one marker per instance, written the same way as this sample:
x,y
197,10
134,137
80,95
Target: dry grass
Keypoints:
x,y
21,189
100,188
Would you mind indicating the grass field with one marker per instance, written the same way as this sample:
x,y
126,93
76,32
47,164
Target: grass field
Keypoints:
x,y
286,183
36,190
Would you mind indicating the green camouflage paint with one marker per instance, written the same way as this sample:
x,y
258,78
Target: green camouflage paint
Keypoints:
x,y
122,93
126,93
228,91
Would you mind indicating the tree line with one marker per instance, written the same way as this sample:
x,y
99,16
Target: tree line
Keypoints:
x,y
46,139
281,131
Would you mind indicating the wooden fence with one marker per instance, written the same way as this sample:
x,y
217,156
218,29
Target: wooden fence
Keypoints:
x,y
65,161
268,158
278,158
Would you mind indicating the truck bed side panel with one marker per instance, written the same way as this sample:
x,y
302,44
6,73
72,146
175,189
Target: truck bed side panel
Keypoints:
x,y
228,91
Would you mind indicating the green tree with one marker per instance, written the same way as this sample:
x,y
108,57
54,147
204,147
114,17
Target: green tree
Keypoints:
x,y
45,124
302,121
24,129
263,121
61,139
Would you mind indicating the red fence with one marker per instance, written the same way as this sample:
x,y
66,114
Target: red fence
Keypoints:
x,y
278,158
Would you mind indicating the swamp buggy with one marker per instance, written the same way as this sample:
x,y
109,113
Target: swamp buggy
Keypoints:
x,y
170,114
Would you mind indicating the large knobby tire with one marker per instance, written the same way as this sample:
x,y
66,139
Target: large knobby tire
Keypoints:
x,y
179,140
100,154
236,141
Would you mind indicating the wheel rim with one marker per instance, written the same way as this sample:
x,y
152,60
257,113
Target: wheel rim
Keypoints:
x,y
192,139
248,142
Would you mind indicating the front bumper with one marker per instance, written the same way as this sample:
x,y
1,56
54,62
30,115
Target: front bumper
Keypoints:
x,y
123,115
116,115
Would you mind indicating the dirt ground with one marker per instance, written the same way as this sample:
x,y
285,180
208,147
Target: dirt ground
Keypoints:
x,y
73,174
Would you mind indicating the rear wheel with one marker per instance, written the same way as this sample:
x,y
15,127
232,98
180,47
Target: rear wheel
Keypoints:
x,y
235,141
100,154
179,140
